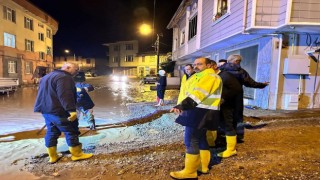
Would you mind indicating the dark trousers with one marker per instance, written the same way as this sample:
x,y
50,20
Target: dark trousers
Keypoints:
x,y
56,125
238,116
227,110
195,140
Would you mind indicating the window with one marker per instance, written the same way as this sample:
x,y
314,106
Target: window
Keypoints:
x,y
28,69
49,35
129,46
128,58
116,48
221,7
49,50
12,67
193,27
9,40
115,59
28,23
42,55
29,45
182,37
88,61
9,14
41,36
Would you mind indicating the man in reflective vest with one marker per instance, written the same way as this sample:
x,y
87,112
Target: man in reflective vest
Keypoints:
x,y
188,72
203,95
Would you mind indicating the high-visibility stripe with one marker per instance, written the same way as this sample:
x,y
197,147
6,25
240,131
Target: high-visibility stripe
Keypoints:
x,y
201,90
194,98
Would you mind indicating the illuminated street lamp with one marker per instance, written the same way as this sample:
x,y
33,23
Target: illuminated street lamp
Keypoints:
x,y
146,29
67,51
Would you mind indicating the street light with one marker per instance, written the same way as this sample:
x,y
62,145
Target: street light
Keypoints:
x,y
146,29
67,51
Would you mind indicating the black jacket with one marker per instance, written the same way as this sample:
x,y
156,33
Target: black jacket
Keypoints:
x,y
231,86
56,94
242,75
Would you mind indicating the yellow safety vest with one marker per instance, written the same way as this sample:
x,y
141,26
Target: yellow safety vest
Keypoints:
x,y
205,88
182,94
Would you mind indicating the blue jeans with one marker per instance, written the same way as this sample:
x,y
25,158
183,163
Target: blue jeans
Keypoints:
x,y
56,125
195,140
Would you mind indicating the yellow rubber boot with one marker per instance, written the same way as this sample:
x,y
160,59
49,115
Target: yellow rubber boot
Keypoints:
x,y
192,162
205,157
231,147
211,138
53,156
77,153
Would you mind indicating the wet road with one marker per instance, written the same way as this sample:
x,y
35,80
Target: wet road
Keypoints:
x,y
109,97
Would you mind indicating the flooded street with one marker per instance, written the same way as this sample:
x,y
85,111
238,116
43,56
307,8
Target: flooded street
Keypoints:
x,y
110,100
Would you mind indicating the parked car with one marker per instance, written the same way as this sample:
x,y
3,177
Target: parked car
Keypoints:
x,y
90,74
150,79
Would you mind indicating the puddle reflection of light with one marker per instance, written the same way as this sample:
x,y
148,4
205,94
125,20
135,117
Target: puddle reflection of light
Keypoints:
x,y
120,87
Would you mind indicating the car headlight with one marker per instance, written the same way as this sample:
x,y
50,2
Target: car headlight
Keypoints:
x,y
115,78
124,78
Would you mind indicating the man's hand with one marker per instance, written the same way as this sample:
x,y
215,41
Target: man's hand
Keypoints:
x,y
78,89
73,116
175,110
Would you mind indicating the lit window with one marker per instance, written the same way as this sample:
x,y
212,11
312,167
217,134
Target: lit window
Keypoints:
x,y
28,69
49,35
9,40
28,23
42,55
29,45
193,27
221,7
129,58
115,59
9,14
49,50
12,67
41,36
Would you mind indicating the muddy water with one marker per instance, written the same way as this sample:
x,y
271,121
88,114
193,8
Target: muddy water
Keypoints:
x,y
17,118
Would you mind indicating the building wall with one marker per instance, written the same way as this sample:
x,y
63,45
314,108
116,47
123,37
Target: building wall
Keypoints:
x,y
213,31
122,53
147,64
85,64
41,23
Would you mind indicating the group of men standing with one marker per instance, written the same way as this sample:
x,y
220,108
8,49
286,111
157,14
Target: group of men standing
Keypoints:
x,y
211,97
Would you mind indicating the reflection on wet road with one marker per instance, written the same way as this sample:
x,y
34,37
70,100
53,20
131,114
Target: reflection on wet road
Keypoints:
x,y
109,97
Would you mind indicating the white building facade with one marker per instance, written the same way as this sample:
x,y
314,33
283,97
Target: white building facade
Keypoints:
x,y
273,37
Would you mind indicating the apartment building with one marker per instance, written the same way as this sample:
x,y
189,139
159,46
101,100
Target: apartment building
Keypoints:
x,y
147,63
278,40
122,56
25,40
85,64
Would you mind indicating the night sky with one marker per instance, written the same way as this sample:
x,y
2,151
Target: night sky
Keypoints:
x,y
85,25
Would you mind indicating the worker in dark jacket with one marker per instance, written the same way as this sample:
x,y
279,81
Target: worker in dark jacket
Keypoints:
x,y
84,102
56,100
233,66
161,87
231,88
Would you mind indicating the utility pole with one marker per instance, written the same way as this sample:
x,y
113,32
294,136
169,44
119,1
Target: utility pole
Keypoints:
x,y
157,50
